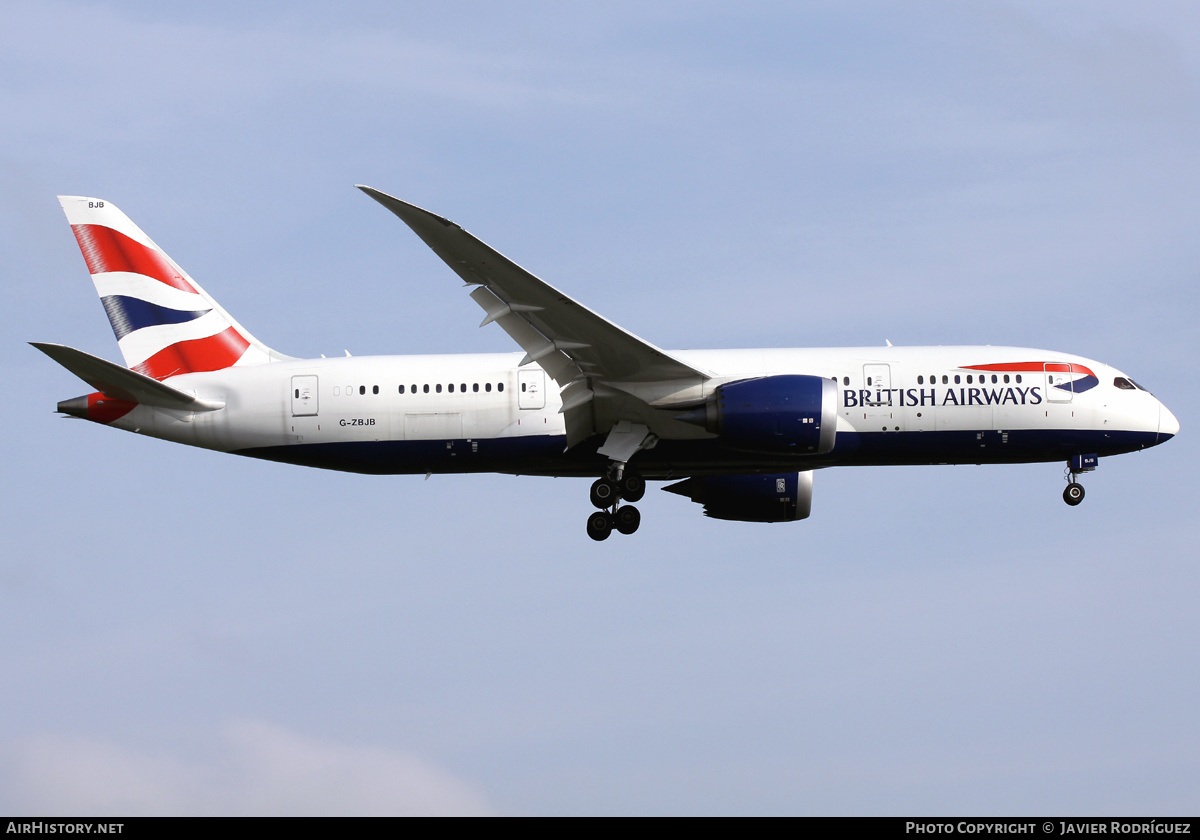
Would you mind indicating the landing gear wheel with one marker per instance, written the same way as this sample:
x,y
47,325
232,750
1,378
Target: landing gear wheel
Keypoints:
x,y
599,525
1073,495
632,487
604,494
628,519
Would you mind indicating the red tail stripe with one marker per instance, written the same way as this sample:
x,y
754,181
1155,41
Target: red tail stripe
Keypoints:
x,y
1033,367
216,352
105,249
101,409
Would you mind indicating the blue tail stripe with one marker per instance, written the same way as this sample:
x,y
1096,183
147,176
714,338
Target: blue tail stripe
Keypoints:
x,y
127,314
1086,383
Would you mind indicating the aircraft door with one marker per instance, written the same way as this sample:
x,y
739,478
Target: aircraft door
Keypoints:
x,y
304,396
877,380
531,388
1058,374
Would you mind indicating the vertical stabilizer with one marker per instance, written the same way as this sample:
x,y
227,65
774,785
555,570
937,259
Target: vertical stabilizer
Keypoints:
x,y
164,322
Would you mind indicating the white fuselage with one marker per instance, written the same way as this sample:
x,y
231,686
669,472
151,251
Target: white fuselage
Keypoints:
x,y
465,413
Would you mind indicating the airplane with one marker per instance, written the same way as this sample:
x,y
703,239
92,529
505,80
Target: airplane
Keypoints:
x,y
738,431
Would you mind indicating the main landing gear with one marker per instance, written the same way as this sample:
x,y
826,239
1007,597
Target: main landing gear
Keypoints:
x,y
607,494
1073,494
619,484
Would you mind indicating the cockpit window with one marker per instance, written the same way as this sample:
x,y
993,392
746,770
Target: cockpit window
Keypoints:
x,y
1123,383
1142,388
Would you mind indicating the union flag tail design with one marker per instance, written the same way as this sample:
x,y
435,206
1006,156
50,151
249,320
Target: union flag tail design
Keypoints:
x,y
164,322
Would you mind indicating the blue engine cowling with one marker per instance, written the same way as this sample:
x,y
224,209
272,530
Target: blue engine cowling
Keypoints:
x,y
790,413
782,497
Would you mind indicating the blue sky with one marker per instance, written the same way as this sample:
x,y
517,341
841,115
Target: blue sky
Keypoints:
x,y
185,632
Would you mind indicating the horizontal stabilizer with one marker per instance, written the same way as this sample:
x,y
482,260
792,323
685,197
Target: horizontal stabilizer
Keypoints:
x,y
119,383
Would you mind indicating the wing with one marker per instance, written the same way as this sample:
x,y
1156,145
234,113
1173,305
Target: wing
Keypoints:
x,y
571,342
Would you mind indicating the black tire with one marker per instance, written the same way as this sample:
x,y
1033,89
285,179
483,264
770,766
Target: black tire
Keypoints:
x,y
628,519
604,493
633,487
1073,495
599,525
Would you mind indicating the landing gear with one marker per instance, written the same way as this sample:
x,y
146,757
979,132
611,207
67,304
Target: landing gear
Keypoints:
x,y
600,525
1073,495
619,484
1078,464
628,519
632,487
604,493
607,494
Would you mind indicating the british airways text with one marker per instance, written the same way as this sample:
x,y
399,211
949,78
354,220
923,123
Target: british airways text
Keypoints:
x,y
941,396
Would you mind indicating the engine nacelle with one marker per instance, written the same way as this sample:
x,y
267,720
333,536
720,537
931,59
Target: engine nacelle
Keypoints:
x,y
783,497
789,413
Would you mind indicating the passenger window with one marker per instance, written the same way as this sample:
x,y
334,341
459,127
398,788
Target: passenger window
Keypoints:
x,y
957,380
475,387
487,386
1006,379
401,389
438,387
362,389
969,380
451,387
337,392
1018,379
499,386
374,389
993,379
945,379
845,380
425,388
463,387
920,380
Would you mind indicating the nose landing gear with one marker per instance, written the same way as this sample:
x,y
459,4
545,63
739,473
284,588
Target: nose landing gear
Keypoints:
x,y
1073,494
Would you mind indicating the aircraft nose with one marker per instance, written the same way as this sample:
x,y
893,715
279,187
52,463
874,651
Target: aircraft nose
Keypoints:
x,y
1168,425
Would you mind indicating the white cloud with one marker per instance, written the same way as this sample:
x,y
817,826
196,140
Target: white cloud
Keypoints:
x,y
261,770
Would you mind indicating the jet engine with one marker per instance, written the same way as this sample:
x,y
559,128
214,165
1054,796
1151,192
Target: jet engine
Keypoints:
x,y
790,413
783,497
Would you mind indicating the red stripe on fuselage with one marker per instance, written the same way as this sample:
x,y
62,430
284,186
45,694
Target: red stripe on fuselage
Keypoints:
x,y
105,249
1032,367
216,352
101,409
